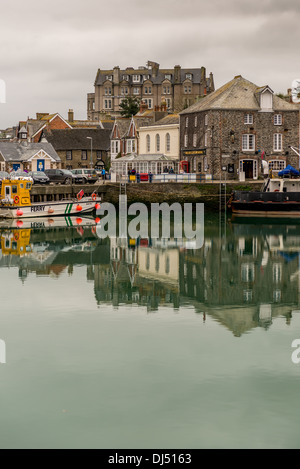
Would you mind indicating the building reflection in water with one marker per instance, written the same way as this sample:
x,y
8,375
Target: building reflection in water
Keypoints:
x,y
243,276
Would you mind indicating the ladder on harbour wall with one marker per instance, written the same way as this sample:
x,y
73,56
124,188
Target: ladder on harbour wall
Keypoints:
x,y
123,209
223,195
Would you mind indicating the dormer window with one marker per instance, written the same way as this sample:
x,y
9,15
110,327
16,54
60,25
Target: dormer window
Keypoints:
x,y
266,100
188,76
125,77
168,77
136,78
109,77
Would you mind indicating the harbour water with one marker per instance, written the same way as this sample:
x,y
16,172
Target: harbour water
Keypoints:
x,y
119,343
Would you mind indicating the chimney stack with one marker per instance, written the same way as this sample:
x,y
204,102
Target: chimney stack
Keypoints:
x,y
71,115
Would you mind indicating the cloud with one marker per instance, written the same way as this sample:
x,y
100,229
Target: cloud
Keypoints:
x,y
51,52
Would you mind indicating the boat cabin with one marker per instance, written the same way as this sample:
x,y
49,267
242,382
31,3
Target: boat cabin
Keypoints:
x,y
282,185
16,192
16,243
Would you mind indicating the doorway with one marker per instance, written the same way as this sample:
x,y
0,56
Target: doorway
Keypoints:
x,y
249,167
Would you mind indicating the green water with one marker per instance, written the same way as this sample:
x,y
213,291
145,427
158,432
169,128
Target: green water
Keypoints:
x,y
110,345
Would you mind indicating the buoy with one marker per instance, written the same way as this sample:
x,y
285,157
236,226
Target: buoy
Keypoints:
x,y
20,223
78,208
51,210
97,206
19,213
78,221
97,220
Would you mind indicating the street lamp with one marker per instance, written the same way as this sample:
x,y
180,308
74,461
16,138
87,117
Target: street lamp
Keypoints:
x,y
91,162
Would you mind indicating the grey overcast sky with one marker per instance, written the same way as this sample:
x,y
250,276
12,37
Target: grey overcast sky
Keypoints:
x,y
50,51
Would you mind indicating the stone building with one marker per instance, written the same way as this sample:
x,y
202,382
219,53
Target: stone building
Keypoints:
x,y
80,148
236,127
177,87
28,156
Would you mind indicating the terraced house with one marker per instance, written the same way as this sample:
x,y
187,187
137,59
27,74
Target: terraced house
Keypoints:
x,y
237,127
177,87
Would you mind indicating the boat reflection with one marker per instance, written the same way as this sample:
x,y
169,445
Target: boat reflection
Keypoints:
x,y
244,275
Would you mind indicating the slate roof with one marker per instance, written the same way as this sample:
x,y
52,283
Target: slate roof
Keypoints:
x,y
25,151
237,94
76,139
159,78
167,120
123,123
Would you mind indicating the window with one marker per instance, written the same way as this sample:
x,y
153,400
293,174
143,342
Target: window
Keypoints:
x,y
149,103
277,142
186,122
168,143
125,77
248,119
185,140
277,273
194,140
136,78
69,155
276,165
206,139
248,142
107,103
206,119
169,103
150,90
196,121
157,140
84,155
109,77
148,143
146,90
189,76
129,146
166,90
248,272
187,90
136,91
277,119
168,77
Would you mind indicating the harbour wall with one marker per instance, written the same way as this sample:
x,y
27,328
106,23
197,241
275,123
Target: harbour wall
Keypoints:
x,y
147,193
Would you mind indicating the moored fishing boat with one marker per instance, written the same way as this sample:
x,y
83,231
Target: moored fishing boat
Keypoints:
x,y
278,197
15,202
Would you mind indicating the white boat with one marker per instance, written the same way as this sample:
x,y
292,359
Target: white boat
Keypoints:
x,y
15,202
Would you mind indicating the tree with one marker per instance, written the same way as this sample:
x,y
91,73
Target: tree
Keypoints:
x,y
130,106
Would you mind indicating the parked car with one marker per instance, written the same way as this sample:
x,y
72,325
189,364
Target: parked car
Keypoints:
x,y
89,176
63,176
39,177
3,175
17,175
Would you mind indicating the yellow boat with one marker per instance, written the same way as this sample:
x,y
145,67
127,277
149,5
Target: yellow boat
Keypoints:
x,y
15,202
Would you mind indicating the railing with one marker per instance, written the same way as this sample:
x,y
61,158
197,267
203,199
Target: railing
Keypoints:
x,y
166,178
